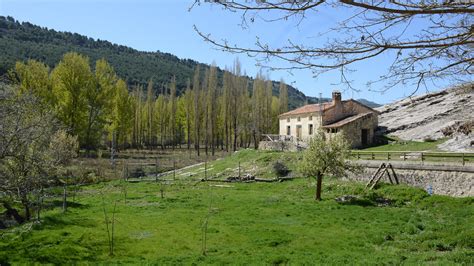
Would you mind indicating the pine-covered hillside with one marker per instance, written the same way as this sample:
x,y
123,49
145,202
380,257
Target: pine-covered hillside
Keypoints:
x,y
22,41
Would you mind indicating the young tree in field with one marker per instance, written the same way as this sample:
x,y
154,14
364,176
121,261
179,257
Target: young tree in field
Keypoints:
x,y
326,156
72,78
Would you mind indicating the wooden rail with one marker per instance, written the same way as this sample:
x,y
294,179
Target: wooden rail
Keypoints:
x,y
461,157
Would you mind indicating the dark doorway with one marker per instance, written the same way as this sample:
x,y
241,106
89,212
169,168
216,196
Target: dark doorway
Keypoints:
x,y
365,137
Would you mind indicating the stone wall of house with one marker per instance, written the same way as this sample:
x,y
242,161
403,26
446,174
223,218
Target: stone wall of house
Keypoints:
x,y
353,130
451,180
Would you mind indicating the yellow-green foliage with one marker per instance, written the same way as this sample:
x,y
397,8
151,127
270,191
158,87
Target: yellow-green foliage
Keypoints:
x,y
326,156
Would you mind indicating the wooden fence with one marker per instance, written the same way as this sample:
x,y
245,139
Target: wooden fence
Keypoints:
x,y
458,157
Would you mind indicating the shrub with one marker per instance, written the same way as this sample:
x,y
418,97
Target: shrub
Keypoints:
x,y
280,169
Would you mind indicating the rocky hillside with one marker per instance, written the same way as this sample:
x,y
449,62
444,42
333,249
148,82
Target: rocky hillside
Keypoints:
x,y
445,114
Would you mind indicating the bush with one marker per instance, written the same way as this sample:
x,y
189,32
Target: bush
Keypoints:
x,y
429,139
280,169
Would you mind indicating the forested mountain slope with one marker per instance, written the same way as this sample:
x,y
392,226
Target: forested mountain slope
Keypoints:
x,y
22,41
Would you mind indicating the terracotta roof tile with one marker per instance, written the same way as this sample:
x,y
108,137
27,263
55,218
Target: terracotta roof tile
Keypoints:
x,y
347,120
309,108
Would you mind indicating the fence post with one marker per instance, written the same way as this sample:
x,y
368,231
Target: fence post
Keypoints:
x,y
373,156
205,170
239,169
174,170
463,159
156,169
404,156
422,156
388,156
358,155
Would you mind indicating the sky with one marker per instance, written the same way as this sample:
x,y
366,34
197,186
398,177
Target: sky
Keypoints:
x,y
167,26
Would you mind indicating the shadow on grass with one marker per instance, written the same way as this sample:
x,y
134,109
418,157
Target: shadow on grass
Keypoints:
x,y
59,204
359,202
59,221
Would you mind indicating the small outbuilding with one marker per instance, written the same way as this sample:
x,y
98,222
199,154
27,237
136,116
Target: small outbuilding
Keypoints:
x,y
356,121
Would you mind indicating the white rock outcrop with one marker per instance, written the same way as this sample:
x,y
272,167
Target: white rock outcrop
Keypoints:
x,y
429,116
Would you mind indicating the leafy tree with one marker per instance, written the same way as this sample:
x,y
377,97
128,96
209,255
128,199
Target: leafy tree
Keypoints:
x,y
33,76
122,113
31,150
99,99
72,79
198,113
326,155
283,97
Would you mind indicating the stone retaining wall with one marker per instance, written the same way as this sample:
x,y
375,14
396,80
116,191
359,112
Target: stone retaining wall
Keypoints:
x,y
444,179
278,146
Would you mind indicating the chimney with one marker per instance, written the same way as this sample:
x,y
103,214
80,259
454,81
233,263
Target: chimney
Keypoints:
x,y
336,97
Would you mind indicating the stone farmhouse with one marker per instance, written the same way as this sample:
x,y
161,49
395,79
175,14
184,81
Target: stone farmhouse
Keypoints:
x,y
355,120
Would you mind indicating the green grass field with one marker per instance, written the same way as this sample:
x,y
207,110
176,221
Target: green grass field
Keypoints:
x,y
249,223
399,145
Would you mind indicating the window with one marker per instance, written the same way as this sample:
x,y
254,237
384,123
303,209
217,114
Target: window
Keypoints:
x,y
310,129
310,118
288,130
288,119
298,131
299,119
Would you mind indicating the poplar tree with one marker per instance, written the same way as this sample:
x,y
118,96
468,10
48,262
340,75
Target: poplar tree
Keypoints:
x,y
188,101
283,97
137,116
172,110
99,97
212,106
149,114
122,113
197,109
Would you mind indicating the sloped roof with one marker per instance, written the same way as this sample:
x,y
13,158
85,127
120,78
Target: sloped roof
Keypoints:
x,y
309,108
314,108
347,120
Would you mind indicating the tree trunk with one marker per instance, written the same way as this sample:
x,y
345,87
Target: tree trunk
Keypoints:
x,y
64,198
319,183
13,213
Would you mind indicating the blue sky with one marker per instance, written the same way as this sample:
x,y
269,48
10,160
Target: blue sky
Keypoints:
x,y
167,26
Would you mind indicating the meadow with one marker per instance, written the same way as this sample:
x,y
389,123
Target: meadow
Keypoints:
x,y
185,221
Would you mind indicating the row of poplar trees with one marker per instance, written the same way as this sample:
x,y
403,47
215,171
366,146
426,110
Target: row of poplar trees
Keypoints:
x,y
99,108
